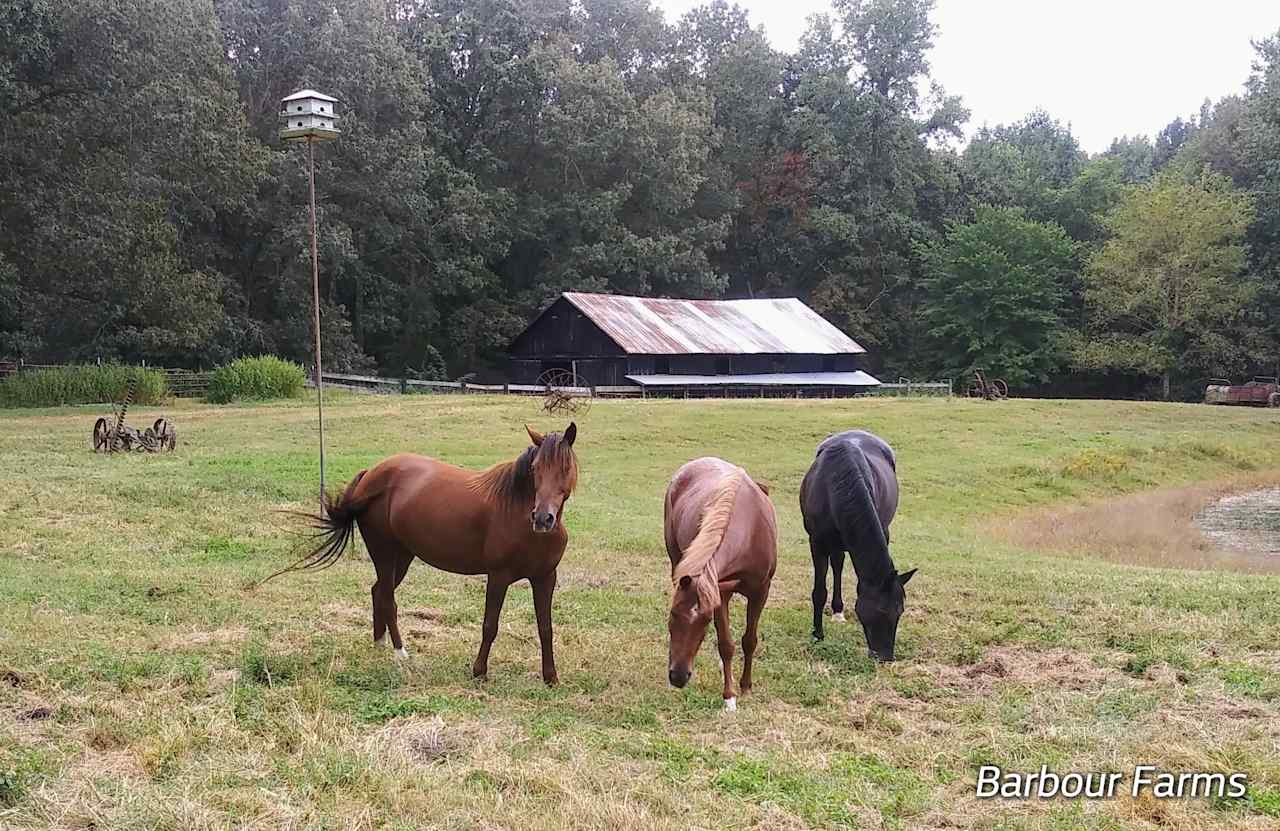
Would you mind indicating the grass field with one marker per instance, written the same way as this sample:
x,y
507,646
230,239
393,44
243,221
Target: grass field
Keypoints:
x,y
143,685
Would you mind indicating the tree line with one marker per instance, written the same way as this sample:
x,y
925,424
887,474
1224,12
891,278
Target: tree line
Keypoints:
x,y
497,152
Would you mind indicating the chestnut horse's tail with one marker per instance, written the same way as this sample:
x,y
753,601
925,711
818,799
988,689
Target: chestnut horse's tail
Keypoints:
x,y
333,529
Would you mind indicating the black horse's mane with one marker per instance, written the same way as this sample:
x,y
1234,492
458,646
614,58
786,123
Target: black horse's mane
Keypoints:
x,y
859,521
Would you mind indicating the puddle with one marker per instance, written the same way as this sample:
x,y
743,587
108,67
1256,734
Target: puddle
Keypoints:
x,y
1244,522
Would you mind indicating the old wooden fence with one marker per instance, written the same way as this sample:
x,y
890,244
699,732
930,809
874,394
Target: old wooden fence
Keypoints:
x,y
183,383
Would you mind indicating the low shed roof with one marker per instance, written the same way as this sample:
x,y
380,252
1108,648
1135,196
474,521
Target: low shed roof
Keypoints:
x,y
774,379
658,326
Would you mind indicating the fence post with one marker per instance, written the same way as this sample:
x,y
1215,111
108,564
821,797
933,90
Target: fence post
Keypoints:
x,y
404,386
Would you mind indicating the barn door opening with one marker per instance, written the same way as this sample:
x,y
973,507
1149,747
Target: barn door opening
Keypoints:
x,y
570,367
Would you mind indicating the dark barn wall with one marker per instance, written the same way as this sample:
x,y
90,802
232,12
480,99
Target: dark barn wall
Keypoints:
x,y
600,372
562,331
560,336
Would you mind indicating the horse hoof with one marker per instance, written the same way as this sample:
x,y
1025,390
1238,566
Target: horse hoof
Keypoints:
x,y
401,653
817,636
731,705
838,617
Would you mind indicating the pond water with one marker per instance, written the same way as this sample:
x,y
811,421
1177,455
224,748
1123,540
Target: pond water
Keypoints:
x,y
1244,522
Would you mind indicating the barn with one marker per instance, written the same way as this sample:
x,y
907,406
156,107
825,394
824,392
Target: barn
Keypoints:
x,y
659,344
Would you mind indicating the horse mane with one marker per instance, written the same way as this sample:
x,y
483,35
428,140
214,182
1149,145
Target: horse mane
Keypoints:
x,y
698,562
860,526
511,483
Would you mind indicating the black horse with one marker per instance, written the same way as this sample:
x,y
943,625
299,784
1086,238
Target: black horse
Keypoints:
x,y
848,498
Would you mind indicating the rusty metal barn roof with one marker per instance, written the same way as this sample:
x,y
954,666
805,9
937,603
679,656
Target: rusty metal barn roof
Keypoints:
x,y
656,326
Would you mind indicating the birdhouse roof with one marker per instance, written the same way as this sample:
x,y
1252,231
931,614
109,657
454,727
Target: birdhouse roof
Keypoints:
x,y
309,93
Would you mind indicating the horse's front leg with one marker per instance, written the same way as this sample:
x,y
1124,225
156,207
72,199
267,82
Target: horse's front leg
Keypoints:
x,y
750,635
724,640
543,588
494,594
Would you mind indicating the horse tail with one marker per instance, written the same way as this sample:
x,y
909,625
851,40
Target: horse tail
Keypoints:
x,y
857,518
333,529
698,558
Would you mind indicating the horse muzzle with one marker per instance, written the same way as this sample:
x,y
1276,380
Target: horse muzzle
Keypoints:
x,y
543,521
678,677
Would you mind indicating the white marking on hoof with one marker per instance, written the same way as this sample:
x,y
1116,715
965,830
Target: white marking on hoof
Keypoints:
x,y
401,653
730,705
380,641
838,617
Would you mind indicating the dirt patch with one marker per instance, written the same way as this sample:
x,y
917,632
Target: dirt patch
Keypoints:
x,y
1156,528
225,635
1060,668
36,714
1244,522
420,741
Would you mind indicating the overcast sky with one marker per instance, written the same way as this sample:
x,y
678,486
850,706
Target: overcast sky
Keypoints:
x,y
1108,67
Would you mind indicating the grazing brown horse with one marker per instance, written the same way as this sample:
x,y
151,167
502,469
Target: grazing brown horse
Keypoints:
x,y
506,522
722,538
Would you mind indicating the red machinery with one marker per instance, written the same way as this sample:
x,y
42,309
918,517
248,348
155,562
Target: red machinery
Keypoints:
x,y
1260,392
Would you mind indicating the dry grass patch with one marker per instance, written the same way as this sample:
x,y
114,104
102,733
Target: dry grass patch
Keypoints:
x,y
1155,528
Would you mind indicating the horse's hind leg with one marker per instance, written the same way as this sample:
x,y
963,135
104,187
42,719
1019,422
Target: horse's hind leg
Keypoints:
x,y
750,635
391,563
837,588
819,596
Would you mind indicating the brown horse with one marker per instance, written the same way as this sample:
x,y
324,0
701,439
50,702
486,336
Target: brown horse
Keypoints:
x,y
722,538
506,522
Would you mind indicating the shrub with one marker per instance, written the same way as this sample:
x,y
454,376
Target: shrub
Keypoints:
x,y
256,379
91,384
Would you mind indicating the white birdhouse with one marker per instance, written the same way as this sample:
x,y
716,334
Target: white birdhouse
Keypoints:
x,y
308,115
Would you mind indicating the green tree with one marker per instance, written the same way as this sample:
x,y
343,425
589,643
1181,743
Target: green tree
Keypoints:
x,y
1168,290
994,293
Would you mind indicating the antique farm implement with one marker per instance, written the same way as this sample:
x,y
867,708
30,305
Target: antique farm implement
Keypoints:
x,y
992,389
567,393
114,435
1263,391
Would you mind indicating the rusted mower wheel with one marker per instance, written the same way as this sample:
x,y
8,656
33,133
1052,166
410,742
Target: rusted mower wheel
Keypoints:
x,y
101,437
999,389
165,434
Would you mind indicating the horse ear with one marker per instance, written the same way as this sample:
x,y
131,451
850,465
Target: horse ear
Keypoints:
x,y
534,435
685,581
571,433
903,578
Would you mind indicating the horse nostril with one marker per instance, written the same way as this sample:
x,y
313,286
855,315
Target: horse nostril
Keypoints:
x,y
677,678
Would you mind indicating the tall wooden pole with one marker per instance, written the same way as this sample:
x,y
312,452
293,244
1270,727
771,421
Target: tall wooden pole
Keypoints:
x,y
315,295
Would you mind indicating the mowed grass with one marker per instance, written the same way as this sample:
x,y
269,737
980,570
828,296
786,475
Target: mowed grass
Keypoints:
x,y
143,684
